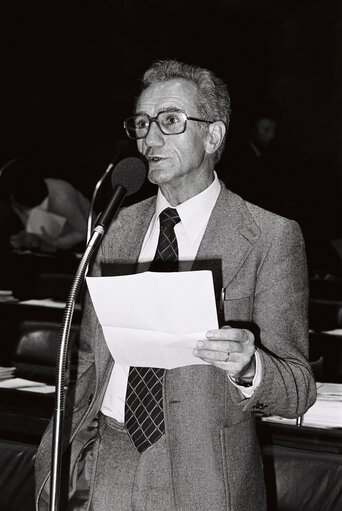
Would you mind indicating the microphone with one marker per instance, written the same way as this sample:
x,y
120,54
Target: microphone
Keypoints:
x,y
127,178
121,148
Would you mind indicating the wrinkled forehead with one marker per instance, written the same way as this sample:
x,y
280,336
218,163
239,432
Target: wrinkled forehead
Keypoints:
x,y
178,93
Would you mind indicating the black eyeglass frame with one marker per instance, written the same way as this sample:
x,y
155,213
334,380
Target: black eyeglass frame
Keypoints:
x,y
155,119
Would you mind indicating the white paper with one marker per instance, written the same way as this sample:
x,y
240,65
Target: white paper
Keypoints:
x,y
39,389
7,372
47,302
40,222
29,385
154,319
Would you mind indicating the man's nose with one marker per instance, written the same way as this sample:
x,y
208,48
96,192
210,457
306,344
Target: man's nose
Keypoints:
x,y
154,136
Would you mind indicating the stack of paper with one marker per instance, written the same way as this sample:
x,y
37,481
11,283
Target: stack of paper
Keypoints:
x,y
6,296
325,413
6,372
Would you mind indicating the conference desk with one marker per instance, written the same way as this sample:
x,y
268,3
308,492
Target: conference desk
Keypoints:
x,y
24,415
36,309
302,466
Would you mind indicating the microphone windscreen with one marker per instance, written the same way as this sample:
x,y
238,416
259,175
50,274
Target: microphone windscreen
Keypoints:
x,y
130,173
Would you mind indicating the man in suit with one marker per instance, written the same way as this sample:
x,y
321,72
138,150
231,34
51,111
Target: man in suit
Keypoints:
x,y
199,451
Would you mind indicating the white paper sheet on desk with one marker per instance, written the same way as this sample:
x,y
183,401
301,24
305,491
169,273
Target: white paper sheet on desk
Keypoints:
x,y
28,385
154,319
40,221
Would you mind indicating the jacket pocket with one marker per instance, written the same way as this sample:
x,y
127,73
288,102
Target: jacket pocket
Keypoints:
x,y
238,309
242,465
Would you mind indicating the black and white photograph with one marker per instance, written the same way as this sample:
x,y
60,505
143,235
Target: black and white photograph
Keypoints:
x,y
171,255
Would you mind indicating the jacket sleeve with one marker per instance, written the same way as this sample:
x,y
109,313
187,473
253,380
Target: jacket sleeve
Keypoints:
x,y
280,313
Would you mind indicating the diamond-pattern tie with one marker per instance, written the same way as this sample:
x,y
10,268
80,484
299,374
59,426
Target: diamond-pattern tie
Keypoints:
x,y
144,415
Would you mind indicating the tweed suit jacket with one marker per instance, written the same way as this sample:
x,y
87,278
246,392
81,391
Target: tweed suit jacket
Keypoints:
x,y
258,261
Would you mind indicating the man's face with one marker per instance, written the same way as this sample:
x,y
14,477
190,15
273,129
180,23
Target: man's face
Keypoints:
x,y
179,164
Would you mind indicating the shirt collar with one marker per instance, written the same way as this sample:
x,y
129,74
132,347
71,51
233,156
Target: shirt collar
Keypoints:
x,y
195,212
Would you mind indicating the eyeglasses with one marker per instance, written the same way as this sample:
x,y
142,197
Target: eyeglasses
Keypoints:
x,y
170,122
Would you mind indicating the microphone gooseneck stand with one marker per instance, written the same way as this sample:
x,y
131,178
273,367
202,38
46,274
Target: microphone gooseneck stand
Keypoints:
x,y
61,367
98,233
98,185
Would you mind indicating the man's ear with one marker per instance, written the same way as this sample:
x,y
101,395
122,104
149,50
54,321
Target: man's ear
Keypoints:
x,y
215,136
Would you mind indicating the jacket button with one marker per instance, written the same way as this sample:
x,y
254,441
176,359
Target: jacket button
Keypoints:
x,y
90,398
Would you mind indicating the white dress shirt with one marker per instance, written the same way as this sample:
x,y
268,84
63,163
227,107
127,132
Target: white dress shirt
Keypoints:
x,y
194,215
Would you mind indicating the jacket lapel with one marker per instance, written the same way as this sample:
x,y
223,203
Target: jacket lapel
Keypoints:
x,y
229,237
125,239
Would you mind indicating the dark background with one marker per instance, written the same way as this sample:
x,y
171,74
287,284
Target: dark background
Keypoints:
x,y
70,71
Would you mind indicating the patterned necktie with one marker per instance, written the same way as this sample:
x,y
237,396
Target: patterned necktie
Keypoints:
x,y
144,415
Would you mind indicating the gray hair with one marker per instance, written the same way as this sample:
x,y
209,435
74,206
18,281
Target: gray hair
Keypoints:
x,y
213,100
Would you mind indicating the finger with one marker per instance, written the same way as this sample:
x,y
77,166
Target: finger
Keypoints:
x,y
214,356
224,346
228,334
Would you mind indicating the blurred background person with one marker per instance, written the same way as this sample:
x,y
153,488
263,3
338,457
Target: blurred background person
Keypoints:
x,y
256,167
52,213
265,173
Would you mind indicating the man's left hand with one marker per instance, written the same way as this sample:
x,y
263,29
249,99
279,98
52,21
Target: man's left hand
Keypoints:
x,y
230,349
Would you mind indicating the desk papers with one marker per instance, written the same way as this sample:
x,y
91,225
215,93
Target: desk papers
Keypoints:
x,y
326,412
40,222
7,372
27,385
154,319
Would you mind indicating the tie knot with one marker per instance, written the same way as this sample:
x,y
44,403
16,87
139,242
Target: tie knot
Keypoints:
x,y
169,216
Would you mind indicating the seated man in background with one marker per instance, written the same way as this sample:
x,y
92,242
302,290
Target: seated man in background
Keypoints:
x,y
52,212
257,168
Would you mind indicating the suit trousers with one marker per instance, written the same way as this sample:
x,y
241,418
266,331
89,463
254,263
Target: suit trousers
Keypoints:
x,y
126,480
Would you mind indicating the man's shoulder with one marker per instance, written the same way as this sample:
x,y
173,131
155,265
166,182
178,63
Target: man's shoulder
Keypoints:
x,y
262,215
266,221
